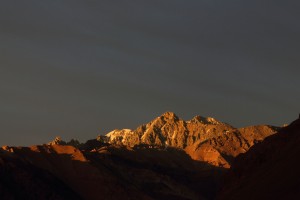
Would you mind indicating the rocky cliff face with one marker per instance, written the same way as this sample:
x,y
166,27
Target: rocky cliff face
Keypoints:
x,y
269,170
204,139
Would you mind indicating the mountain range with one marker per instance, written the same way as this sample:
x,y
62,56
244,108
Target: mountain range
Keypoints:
x,y
204,139
167,158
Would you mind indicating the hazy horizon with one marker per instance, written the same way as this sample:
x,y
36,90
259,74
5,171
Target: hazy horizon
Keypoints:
x,y
82,68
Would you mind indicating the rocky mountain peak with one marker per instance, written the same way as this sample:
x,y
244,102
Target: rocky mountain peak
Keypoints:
x,y
56,141
198,118
205,120
197,137
169,116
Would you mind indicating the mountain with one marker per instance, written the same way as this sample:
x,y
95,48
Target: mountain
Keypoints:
x,y
167,158
204,139
269,170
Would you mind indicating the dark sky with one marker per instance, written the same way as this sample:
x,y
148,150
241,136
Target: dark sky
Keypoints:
x,y
79,68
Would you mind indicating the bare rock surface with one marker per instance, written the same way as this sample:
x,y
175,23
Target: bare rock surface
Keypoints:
x,y
204,139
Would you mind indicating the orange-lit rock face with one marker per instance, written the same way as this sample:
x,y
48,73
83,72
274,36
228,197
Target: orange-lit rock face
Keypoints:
x,y
255,134
196,136
75,153
208,154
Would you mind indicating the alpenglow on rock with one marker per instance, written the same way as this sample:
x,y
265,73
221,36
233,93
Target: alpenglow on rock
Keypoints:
x,y
57,141
204,139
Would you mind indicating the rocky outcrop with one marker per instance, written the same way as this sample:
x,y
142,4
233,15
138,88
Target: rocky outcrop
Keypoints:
x,y
122,137
57,141
204,139
256,134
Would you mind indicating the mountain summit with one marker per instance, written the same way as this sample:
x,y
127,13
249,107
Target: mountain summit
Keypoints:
x,y
203,138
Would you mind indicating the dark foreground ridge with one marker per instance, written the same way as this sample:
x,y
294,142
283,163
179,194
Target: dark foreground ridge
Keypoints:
x,y
168,158
269,170
108,172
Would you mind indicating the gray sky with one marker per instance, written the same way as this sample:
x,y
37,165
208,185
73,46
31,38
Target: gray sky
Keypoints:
x,y
78,68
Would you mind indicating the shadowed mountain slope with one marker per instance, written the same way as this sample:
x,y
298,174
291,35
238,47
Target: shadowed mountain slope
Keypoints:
x,y
23,180
113,172
269,170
